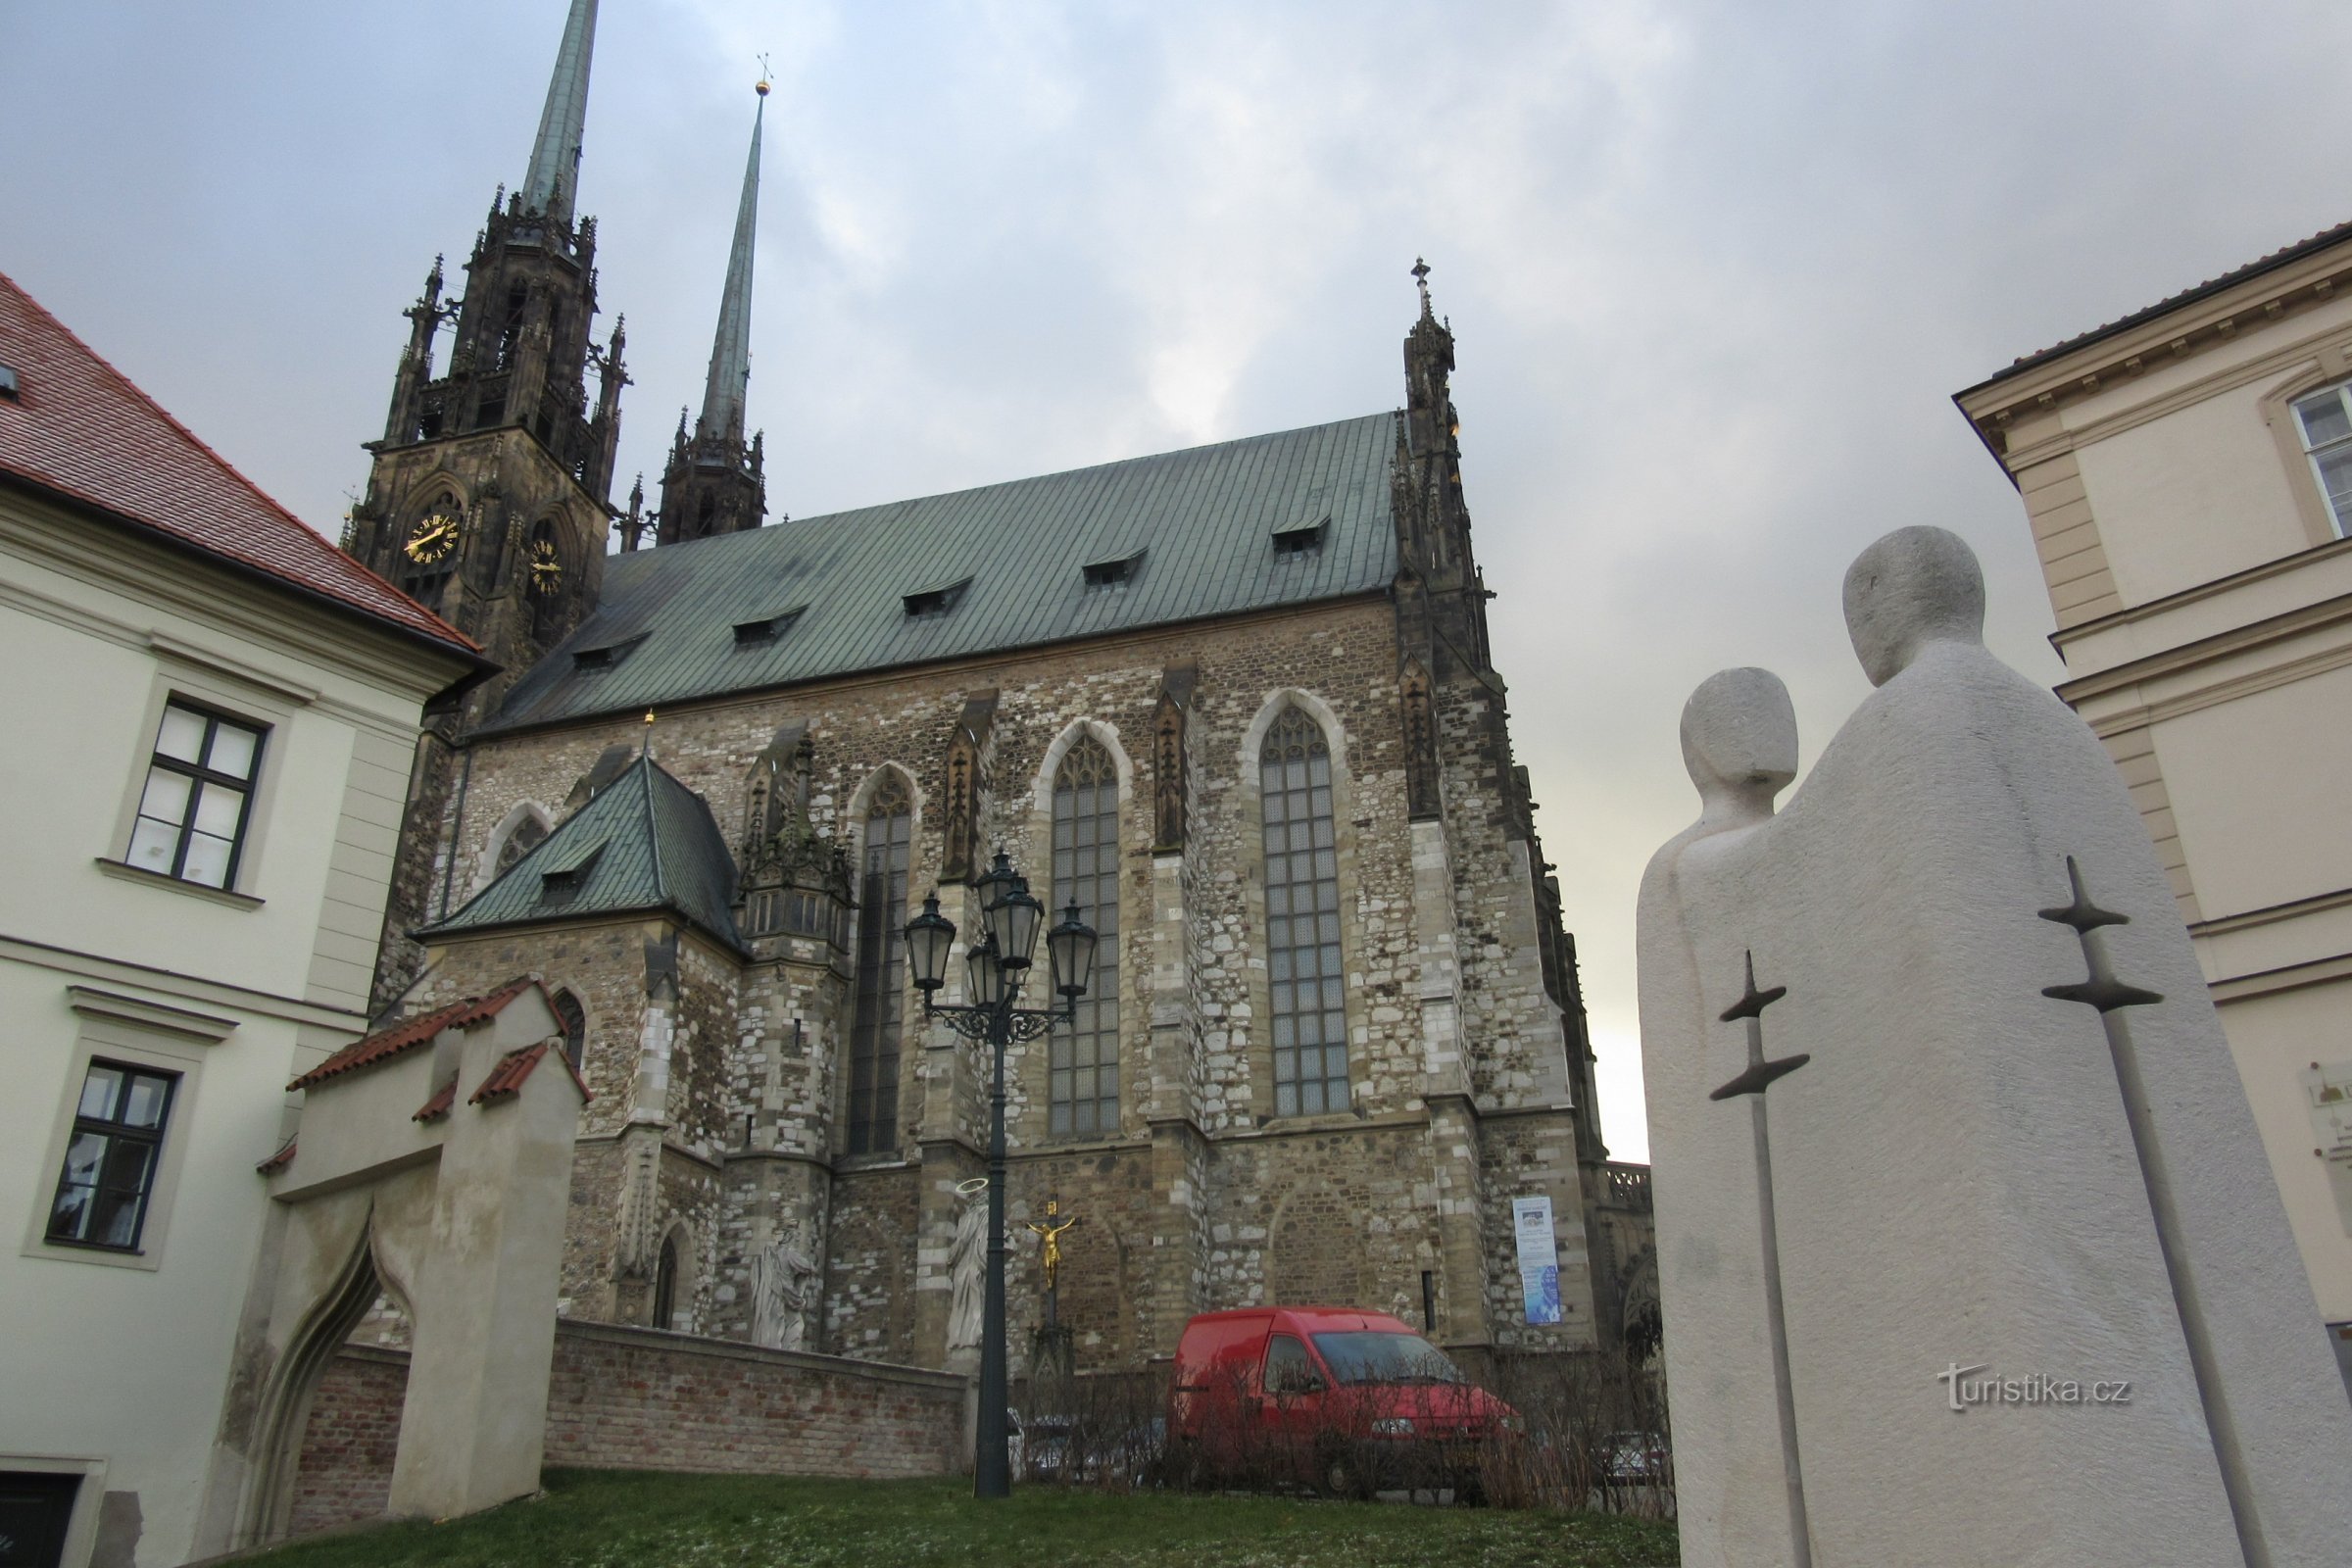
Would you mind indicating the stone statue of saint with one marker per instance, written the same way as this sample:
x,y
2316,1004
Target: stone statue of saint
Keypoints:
x,y
966,1302
784,1290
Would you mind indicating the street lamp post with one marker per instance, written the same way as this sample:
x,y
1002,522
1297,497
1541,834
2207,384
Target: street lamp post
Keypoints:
x,y
995,967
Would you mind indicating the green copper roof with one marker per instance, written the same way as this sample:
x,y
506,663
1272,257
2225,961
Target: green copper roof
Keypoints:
x,y
645,844
1004,567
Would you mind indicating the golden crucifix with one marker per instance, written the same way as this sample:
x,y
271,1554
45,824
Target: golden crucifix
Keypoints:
x,y
1051,1233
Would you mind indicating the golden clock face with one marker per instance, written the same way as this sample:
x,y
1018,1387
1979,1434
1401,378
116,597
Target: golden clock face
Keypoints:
x,y
433,539
547,568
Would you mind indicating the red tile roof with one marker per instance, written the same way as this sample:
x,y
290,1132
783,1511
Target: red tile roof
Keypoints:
x,y
508,1076
279,1160
410,1033
78,427
439,1106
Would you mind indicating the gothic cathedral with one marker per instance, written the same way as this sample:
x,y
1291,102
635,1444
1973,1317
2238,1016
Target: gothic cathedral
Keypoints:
x,y
1235,703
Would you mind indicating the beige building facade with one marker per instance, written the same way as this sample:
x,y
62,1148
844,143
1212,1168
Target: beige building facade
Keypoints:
x,y
2188,475
210,723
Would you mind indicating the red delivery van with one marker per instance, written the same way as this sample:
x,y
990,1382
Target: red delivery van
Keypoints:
x,y
1344,1400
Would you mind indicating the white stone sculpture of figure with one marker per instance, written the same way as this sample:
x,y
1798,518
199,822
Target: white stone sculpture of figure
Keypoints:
x,y
964,1258
784,1288
1957,1182
1739,734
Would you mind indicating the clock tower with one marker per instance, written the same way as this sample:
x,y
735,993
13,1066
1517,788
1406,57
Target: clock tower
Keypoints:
x,y
488,497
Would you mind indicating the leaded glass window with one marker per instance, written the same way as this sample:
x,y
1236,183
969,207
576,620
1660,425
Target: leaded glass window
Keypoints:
x,y
103,1193
1309,1014
1083,1058
524,837
199,797
881,969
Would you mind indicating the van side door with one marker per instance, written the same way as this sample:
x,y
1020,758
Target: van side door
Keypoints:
x,y
1293,1411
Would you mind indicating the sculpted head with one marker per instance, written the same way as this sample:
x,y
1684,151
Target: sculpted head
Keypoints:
x,y
1914,587
1740,740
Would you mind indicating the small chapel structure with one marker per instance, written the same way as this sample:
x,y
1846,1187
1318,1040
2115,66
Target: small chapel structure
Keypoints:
x,y
1237,704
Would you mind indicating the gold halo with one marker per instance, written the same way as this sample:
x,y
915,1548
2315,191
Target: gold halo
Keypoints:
x,y
978,1184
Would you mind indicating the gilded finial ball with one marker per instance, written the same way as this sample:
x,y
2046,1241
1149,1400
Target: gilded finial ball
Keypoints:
x,y
759,88
649,715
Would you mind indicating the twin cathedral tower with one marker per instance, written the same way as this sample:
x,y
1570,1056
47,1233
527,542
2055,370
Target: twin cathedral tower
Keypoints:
x,y
490,500
1236,702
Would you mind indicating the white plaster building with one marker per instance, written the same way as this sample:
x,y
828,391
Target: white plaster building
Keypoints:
x,y
211,716
2187,473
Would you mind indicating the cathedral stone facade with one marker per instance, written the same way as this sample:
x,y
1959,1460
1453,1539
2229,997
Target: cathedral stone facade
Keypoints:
x,y
1236,704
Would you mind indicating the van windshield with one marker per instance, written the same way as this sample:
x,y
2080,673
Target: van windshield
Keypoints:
x,y
1372,1358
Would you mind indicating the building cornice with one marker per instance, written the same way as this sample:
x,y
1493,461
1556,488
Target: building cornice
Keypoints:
x,y
2200,320
141,565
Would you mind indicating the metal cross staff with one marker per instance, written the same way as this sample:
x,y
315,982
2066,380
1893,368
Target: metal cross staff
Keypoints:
x,y
2109,995
1759,1076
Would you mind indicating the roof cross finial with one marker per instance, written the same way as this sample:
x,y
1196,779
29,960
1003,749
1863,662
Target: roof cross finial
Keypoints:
x,y
1421,281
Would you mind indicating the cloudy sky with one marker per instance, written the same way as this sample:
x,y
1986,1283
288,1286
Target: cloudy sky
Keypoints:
x,y
1715,270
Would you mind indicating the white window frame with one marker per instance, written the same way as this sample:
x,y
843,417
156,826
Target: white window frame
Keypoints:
x,y
137,1033
2340,517
234,690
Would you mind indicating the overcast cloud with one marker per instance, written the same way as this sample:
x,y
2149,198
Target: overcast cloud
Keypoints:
x,y
1715,271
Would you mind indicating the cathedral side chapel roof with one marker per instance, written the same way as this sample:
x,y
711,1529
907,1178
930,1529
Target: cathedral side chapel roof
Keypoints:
x,y
645,844
1004,567
77,427
410,1033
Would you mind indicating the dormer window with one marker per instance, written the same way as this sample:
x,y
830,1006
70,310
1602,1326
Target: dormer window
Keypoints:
x,y
1111,573
934,602
565,872
759,633
1304,541
7,381
592,661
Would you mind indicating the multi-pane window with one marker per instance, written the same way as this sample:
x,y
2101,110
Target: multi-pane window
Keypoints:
x,y
1303,919
199,797
2325,419
881,969
103,1193
1083,1072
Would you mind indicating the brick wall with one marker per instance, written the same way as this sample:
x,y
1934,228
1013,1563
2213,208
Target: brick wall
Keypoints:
x,y
627,1398
354,1431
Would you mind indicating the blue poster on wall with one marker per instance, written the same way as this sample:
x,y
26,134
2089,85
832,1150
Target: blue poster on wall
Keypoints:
x,y
1538,1259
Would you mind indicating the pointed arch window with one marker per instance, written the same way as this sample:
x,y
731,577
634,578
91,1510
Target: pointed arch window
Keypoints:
x,y
1308,1007
525,836
1083,1058
665,1284
574,1019
880,1018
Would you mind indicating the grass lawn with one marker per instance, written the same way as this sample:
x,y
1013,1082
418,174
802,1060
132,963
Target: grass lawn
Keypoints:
x,y
612,1519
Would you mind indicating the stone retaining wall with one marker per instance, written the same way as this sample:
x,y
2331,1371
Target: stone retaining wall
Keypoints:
x,y
639,1399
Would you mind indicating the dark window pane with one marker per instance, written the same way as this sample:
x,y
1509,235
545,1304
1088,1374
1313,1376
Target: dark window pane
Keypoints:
x,y
1302,949
1084,872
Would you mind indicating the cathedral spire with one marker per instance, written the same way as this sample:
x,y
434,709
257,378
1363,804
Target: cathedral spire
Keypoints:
x,y
555,173
731,349
713,481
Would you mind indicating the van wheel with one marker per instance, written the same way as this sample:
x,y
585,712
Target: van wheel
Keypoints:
x,y
1340,1473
